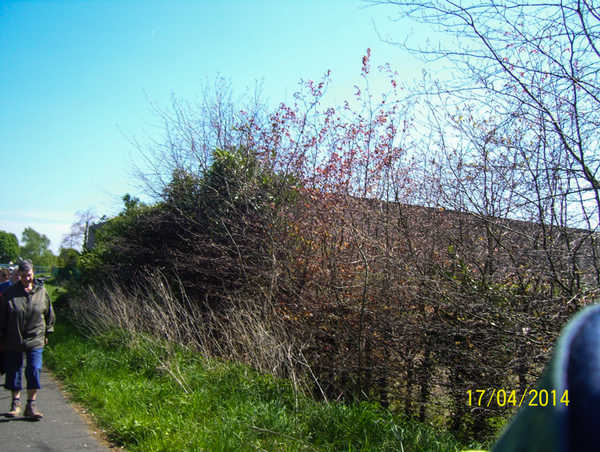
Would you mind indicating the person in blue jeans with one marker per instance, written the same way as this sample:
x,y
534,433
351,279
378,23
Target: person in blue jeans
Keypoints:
x,y
26,320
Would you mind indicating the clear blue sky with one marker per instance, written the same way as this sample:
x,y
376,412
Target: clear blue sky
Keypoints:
x,y
76,78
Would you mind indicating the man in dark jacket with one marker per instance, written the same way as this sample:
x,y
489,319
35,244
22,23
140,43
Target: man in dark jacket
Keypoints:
x,y
26,319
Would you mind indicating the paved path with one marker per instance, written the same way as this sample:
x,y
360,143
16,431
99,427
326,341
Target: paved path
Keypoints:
x,y
62,429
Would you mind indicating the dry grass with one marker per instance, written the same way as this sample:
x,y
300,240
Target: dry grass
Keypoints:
x,y
246,332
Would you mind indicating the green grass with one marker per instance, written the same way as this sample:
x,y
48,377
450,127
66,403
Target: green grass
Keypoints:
x,y
52,287
154,397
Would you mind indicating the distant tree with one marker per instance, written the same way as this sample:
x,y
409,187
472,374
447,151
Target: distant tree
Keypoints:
x,y
68,258
131,202
35,248
9,247
78,235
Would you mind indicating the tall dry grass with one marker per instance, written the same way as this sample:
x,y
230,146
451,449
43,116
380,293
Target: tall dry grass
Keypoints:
x,y
245,331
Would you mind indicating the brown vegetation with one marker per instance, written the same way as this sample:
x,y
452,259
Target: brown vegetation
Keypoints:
x,y
349,251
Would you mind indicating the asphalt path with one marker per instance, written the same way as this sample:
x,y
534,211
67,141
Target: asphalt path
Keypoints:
x,y
63,429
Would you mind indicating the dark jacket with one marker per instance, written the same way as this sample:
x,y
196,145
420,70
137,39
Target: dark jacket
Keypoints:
x,y
26,318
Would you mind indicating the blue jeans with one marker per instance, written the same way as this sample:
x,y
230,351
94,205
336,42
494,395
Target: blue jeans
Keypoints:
x,y
13,362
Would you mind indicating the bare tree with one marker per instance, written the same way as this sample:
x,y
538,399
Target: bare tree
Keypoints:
x,y
509,137
78,235
191,131
535,65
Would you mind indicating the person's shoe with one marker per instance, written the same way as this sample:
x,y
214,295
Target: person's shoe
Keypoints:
x,y
31,412
15,408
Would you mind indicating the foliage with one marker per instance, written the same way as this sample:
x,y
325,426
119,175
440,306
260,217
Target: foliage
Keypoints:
x,y
35,248
110,252
197,233
9,247
378,274
150,396
68,258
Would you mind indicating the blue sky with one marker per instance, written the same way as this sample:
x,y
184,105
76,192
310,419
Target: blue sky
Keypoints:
x,y
77,78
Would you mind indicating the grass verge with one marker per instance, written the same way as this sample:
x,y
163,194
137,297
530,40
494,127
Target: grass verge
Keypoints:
x,y
151,396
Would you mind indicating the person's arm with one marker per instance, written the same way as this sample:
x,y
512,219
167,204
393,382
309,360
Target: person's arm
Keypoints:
x,y
49,316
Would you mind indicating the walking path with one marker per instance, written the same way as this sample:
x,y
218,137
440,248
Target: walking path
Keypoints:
x,y
62,430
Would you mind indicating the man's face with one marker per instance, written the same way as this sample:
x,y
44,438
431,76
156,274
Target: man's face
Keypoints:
x,y
26,277
4,277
